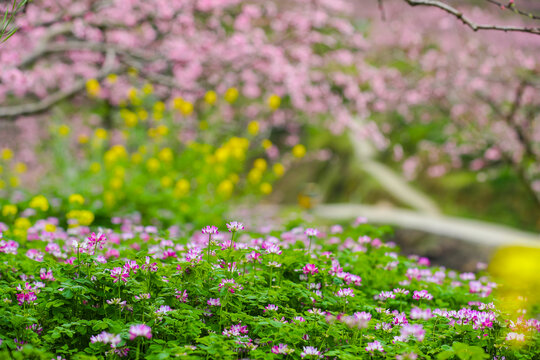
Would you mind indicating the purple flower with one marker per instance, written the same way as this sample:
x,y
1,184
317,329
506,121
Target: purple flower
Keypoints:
x,y
271,307
374,346
310,351
347,292
234,226
282,349
140,330
210,230
423,294
214,302
235,330
310,269
311,232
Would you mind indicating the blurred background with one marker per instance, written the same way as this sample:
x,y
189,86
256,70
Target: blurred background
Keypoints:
x,y
195,111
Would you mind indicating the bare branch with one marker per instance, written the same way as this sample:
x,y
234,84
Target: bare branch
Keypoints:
x,y
465,20
11,112
512,7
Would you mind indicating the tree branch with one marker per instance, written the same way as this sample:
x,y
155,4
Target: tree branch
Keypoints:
x,y
11,112
512,7
465,20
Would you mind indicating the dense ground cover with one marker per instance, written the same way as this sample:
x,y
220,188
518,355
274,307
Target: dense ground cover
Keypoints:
x,y
142,292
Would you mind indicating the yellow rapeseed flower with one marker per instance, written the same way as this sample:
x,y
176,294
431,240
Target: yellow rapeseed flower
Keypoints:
x,y
225,188
50,228
266,188
231,95
112,78
130,119
142,114
39,202
260,164
274,102
92,87
7,154
83,139
253,127
159,106
63,130
299,151
136,158
254,176
181,188
101,134
95,167
22,223
203,125
77,199
147,89
166,181
279,169
153,165
166,155
210,97
9,210
266,144
14,181
83,217
20,167
2,184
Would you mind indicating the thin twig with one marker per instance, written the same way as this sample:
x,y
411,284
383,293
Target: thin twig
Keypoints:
x,y
465,20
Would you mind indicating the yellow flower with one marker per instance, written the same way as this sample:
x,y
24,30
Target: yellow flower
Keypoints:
x,y
83,139
63,130
142,114
153,164
225,188
76,199
266,144
112,78
299,151
2,184
22,223
130,119
234,178
162,130
136,158
101,134
14,181
133,96
260,164
92,87
210,97
166,181
50,228
147,89
166,155
203,125
7,154
279,169
274,101
266,188
116,183
253,128
83,217
231,95
20,167
9,210
95,167
255,176
159,106
1,169
132,71
39,202
181,188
